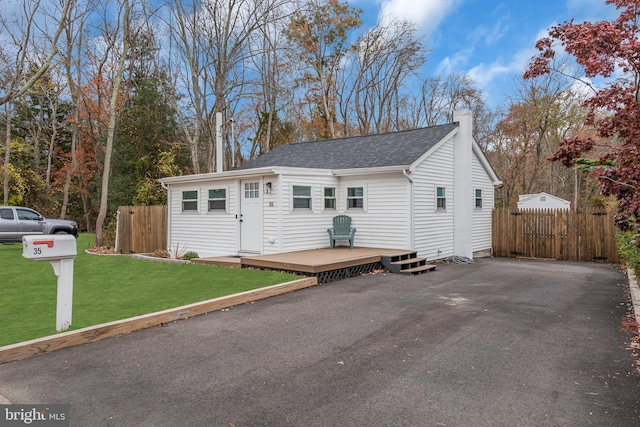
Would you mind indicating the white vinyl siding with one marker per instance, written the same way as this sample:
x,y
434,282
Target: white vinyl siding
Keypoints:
x,y
272,212
196,231
390,201
481,218
542,201
291,229
434,228
385,221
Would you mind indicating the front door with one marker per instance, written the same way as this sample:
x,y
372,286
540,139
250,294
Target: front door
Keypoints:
x,y
250,217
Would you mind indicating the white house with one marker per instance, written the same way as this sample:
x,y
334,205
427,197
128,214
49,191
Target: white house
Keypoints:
x,y
430,190
542,201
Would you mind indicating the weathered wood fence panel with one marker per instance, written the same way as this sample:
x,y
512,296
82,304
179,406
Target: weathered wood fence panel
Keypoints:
x,y
585,235
141,229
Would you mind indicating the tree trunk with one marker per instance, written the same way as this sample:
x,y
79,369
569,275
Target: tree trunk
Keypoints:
x,y
7,155
325,106
52,142
106,172
74,162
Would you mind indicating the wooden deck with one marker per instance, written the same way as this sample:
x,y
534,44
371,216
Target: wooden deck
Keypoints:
x,y
315,262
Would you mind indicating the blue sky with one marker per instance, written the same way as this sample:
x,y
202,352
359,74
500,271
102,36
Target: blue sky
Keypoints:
x,y
491,40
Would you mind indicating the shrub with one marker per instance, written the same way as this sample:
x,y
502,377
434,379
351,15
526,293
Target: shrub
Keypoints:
x,y
160,253
629,249
190,255
177,251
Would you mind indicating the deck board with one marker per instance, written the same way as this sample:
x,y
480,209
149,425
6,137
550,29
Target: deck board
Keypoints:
x,y
311,261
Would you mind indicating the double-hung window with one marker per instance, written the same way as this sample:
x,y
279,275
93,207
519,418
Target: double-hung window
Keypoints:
x,y
301,197
441,198
478,198
190,201
355,198
329,197
218,200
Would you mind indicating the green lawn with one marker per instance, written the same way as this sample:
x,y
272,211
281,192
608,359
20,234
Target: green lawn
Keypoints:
x,y
107,288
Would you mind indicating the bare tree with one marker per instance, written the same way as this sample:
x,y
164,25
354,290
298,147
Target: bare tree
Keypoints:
x,y
187,63
21,31
7,151
385,57
211,57
273,68
121,35
72,59
231,27
319,34
439,97
540,115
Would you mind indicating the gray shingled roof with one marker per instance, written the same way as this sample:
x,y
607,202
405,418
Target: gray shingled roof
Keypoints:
x,y
389,149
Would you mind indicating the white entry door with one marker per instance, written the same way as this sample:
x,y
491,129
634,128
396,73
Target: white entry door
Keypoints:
x,y
250,217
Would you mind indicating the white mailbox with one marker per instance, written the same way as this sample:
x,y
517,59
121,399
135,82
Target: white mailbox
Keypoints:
x,y
59,250
49,247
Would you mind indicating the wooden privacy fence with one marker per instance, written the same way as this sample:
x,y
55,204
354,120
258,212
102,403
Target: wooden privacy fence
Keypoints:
x,y
585,235
141,229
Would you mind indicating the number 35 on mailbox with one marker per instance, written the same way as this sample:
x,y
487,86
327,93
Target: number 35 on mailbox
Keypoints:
x,y
49,247
59,250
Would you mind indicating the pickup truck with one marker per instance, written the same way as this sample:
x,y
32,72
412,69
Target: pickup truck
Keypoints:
x,y
16,222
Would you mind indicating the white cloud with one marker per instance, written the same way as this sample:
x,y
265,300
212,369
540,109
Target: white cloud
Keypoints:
x,y
583,87
485,74
454,63
426,14
591,10
489,35
580,4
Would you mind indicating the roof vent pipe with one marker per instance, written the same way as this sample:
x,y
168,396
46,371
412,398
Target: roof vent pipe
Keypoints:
x,y
219,143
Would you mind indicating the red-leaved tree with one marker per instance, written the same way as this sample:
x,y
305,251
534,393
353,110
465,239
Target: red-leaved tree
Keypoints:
x,y
610,50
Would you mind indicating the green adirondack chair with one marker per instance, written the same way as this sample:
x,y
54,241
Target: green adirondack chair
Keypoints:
x,y
341,230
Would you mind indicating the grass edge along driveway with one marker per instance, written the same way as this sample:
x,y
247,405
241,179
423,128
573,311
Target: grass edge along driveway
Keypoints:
x,y
108,288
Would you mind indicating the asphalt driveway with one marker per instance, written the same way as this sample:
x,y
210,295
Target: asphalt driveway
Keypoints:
x,y
501,342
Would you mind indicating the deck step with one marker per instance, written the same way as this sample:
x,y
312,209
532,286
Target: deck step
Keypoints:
x,y
420,269
406,263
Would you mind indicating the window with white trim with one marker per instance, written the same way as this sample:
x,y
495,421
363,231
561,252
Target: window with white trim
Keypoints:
x,y
217,200
329,197
252,190
301,197
190,201
355,197
441,198
478,198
